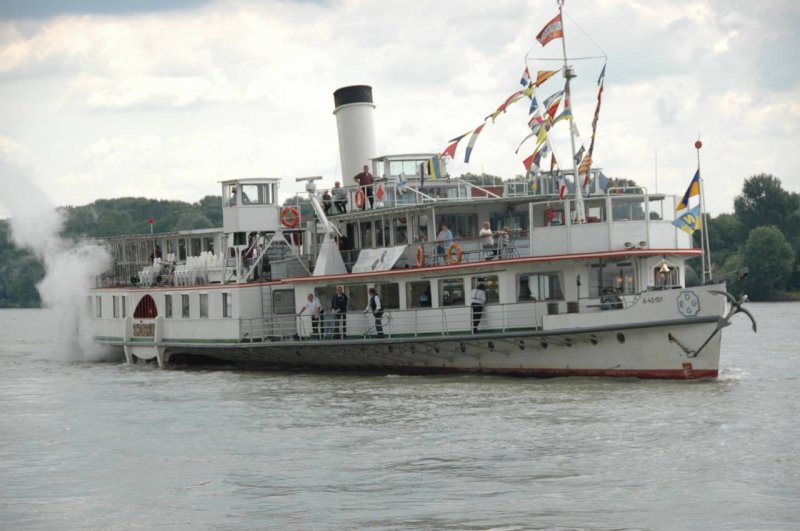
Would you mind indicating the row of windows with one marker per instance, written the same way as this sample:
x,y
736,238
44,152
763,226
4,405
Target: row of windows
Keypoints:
x,y
147,308
419,294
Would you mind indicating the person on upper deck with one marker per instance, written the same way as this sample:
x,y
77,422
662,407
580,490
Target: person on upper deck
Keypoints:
x,y
505,241
487,240
444,239
551,217
365,180
339,197
326,201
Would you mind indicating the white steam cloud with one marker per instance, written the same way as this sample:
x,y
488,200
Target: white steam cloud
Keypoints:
x,y
69,267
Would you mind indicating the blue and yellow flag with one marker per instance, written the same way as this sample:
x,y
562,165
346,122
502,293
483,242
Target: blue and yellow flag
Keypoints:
x,y
690,221
434,168
694,189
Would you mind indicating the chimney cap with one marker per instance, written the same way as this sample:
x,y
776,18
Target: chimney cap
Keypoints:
x,y
352,94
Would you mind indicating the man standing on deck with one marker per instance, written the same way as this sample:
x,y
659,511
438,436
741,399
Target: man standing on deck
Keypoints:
x,y
374,305
365,180
339,308
315,310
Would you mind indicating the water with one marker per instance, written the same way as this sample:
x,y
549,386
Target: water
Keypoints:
x,y
104,445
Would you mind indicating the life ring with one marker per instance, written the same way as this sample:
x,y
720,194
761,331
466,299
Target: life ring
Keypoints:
x,y
290,217
454,254
420,256
360,198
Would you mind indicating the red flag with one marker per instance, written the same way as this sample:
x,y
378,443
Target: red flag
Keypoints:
x,y
544,75
450,150
551,30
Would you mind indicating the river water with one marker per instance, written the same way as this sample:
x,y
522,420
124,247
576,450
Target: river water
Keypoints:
x,y
104,445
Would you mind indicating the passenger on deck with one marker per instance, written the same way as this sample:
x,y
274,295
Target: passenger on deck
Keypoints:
x,y
339,197
374,305
365,180
487,241
477,301
339,309
315,310
326,201
550,216
505,242
444,240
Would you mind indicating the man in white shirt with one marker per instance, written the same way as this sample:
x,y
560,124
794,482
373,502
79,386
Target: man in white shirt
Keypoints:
x,y
487,240
315,310
374,305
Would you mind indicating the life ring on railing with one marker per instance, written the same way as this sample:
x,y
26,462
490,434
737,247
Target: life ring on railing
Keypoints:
x,y
454,254
360,198
420,256
297,238
290,217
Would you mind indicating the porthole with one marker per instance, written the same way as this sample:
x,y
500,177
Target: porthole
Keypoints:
x,y
543,344
621,337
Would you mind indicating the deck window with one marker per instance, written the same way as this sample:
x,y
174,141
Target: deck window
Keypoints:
x,y
185,306
451,292
283,302
227,305
389,294
98,306
539,287
123,306
418,294
492,285
168,306
204,305
114,306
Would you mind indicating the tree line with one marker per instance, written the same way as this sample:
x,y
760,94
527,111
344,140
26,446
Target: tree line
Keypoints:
x,y
762,234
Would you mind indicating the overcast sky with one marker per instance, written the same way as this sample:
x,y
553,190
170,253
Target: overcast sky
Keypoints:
x,y
164,98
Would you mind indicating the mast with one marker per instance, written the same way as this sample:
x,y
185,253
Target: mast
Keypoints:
x,y
569,74
704,217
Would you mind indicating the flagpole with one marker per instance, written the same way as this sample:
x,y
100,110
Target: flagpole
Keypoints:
x,y
704,234
569,74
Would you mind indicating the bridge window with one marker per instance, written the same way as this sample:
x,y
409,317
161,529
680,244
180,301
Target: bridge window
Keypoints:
x,y
617,278
146,309
257,194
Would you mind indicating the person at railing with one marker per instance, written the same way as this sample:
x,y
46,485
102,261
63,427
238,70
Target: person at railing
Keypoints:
x,y
326,201
315,310
339,309
477,301
487,240
504,240
443,240
365,181
374,305
339,197
425,298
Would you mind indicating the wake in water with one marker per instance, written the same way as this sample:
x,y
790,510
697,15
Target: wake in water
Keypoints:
x,y
69,266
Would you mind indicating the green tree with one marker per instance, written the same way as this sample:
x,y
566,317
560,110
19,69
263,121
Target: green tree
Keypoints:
x,y
764,202
770,259
726,235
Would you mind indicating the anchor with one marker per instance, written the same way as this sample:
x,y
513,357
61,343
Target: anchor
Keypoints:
x,y
736,307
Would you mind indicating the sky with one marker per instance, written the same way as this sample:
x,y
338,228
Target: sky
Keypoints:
x,y
165,98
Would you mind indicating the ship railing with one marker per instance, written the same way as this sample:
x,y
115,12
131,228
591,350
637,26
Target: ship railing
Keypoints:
x,y
456,319
472,250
